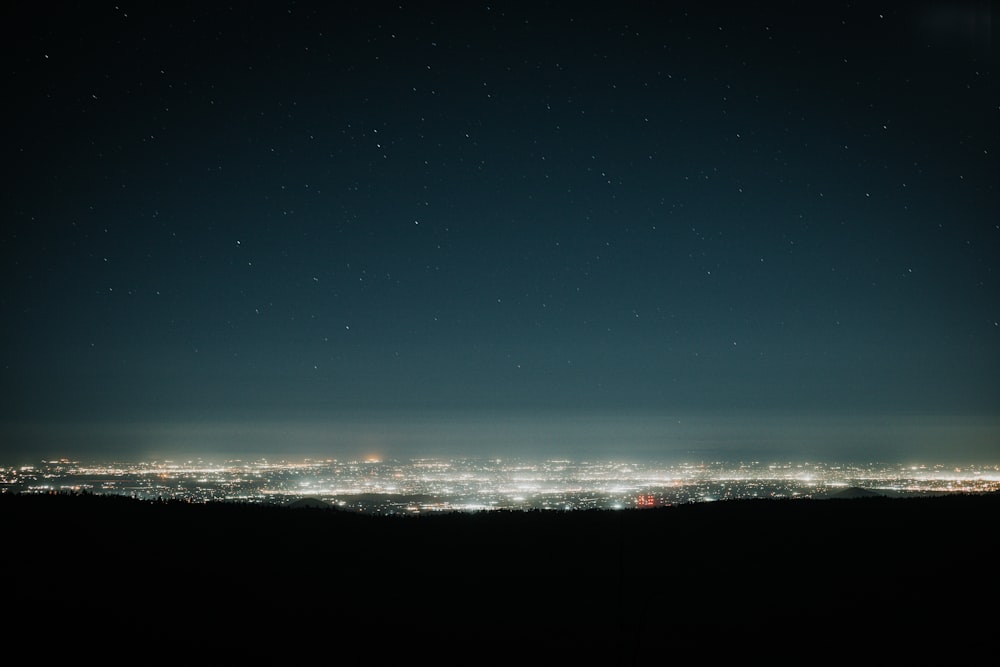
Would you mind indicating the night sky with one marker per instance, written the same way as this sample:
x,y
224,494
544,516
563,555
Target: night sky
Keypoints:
x,y
663,230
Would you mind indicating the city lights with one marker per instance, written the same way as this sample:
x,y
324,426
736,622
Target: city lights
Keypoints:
x,y
377,486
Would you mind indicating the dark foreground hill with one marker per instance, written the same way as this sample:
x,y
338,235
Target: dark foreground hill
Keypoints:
x,y
746,577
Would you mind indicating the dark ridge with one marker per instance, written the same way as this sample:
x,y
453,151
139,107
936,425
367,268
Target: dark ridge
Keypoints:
x,y
620,585
854,492
309,503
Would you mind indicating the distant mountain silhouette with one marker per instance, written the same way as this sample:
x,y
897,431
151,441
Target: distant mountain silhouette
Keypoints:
x,y
854,492
309,503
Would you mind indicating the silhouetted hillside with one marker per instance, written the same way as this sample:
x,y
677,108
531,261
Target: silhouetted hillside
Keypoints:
x,y
630,581
854,492
308,503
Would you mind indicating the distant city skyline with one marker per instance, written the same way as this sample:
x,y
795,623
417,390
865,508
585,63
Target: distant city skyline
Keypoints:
x,y
651,230
434,485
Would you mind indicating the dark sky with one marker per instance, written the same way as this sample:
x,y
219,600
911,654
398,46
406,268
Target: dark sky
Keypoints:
x,y
660,229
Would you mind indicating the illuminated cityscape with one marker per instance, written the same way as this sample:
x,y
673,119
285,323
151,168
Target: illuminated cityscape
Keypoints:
x,y
394,487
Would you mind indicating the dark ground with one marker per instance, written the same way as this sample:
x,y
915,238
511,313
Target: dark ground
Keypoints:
x,y
869,579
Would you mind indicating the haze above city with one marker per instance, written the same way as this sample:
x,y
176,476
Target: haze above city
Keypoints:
x,y
673,232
